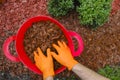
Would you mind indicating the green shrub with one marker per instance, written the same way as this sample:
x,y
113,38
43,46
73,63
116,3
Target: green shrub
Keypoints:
x,y
94,13
60,7
112,73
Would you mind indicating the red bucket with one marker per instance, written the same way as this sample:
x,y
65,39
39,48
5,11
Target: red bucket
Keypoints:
x,y
21,53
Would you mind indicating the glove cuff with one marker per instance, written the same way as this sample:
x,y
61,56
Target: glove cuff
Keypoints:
x,y
48,73
72,64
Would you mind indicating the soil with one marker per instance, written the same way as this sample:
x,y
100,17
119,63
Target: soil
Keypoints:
x,y
101,46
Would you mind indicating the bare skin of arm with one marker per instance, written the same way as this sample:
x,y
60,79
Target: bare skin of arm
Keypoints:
x,y
84,73
49,78
87,74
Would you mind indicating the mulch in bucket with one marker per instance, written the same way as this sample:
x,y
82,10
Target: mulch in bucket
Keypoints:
x,y
42,34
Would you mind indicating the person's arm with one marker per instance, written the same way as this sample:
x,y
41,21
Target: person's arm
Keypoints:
x,y
49,78
65,58
87,74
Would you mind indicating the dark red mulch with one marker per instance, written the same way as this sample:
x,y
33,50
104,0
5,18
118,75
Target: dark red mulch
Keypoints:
x,y
115,6
12,14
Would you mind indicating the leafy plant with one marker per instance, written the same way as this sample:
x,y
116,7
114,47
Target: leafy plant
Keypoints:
x,y
94,13
112,73
60,7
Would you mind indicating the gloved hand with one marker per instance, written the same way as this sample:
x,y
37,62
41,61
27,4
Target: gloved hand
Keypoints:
x,y
64,56
45,64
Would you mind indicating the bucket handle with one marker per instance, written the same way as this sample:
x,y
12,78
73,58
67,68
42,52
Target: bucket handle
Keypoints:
x,y
80,43
6,49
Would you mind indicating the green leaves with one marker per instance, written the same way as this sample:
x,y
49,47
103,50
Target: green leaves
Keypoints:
x,y
60,7
94,13
111,72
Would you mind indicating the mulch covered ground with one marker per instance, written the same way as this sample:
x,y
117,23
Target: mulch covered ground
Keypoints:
x,y
101,46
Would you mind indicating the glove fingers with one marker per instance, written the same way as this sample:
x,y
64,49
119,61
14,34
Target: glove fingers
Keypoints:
x,y
60,44
55,56
56,47
35,56
40,53
65,45
48,50
49,53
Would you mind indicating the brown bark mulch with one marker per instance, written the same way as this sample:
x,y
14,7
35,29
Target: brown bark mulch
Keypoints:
x,y
43,34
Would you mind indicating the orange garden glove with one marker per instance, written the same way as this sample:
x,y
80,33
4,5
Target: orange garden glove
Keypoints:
x,y
45,64
64,56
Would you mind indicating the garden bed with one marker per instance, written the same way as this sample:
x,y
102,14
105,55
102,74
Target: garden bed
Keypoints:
x,y
101,45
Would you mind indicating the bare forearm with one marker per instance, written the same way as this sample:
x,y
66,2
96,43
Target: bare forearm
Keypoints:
x,y
49,78
86,74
